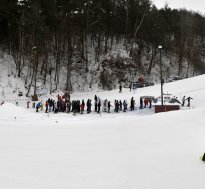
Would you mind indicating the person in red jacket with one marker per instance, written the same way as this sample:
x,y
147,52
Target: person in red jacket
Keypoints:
x,y
82,105
146,102
46,105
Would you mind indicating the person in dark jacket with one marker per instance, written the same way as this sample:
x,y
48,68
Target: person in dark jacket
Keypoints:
x,y
78,106
130,87
188,100
58,105
141,103
183,100
83,103
88,106
120,89
117,106
99,105
38,106
120,104
95,98
124,106
68,106
108,107
72,106
132,104
75,107
96,105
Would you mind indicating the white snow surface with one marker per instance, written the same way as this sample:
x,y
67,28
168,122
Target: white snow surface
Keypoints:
x,y
137,149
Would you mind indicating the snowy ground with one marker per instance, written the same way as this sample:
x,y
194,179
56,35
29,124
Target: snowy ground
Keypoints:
x,y
126,150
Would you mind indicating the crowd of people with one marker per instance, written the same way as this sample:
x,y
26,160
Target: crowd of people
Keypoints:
x,y
66,105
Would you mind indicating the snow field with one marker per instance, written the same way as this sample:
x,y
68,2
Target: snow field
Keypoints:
x,y
131,150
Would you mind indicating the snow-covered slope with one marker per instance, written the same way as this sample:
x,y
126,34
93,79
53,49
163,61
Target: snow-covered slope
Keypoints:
x,y
193,87
125,150
10,85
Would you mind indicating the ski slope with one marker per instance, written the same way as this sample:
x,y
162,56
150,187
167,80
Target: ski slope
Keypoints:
x,y
127,150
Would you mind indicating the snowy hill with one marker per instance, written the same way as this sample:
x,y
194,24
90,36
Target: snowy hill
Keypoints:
x,y
10,85
127,150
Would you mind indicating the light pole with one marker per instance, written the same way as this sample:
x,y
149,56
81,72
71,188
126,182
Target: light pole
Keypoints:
x,y
161,79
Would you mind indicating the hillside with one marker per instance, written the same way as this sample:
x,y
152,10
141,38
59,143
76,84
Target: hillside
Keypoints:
x,y
87,45
10,85
116,69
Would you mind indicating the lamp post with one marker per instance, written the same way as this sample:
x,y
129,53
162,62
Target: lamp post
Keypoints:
x,y
161,79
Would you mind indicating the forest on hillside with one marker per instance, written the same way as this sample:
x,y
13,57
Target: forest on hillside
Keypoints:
x,y
45,36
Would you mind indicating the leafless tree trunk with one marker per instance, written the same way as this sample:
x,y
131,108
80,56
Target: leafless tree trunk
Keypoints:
x,y
33,55
69,62
20,52
57,55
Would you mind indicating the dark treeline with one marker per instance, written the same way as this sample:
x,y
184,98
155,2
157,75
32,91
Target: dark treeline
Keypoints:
x,y
34,30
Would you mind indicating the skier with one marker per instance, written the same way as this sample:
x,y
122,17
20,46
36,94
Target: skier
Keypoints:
x,y
50,104
150,103
132,104
58,105
88,106
105,105
145,102
130,87
81,108
108,106
188,99
124,106
46,105
120,104
55,107
78,106
141,103
183,101
75,107
96,105
99,105
95,98
38,106
53,104
120,89
117,106
83,104
68,106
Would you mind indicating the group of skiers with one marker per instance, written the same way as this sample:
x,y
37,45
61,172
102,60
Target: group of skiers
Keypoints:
x,y
64,104
147,103
77,106
188,101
